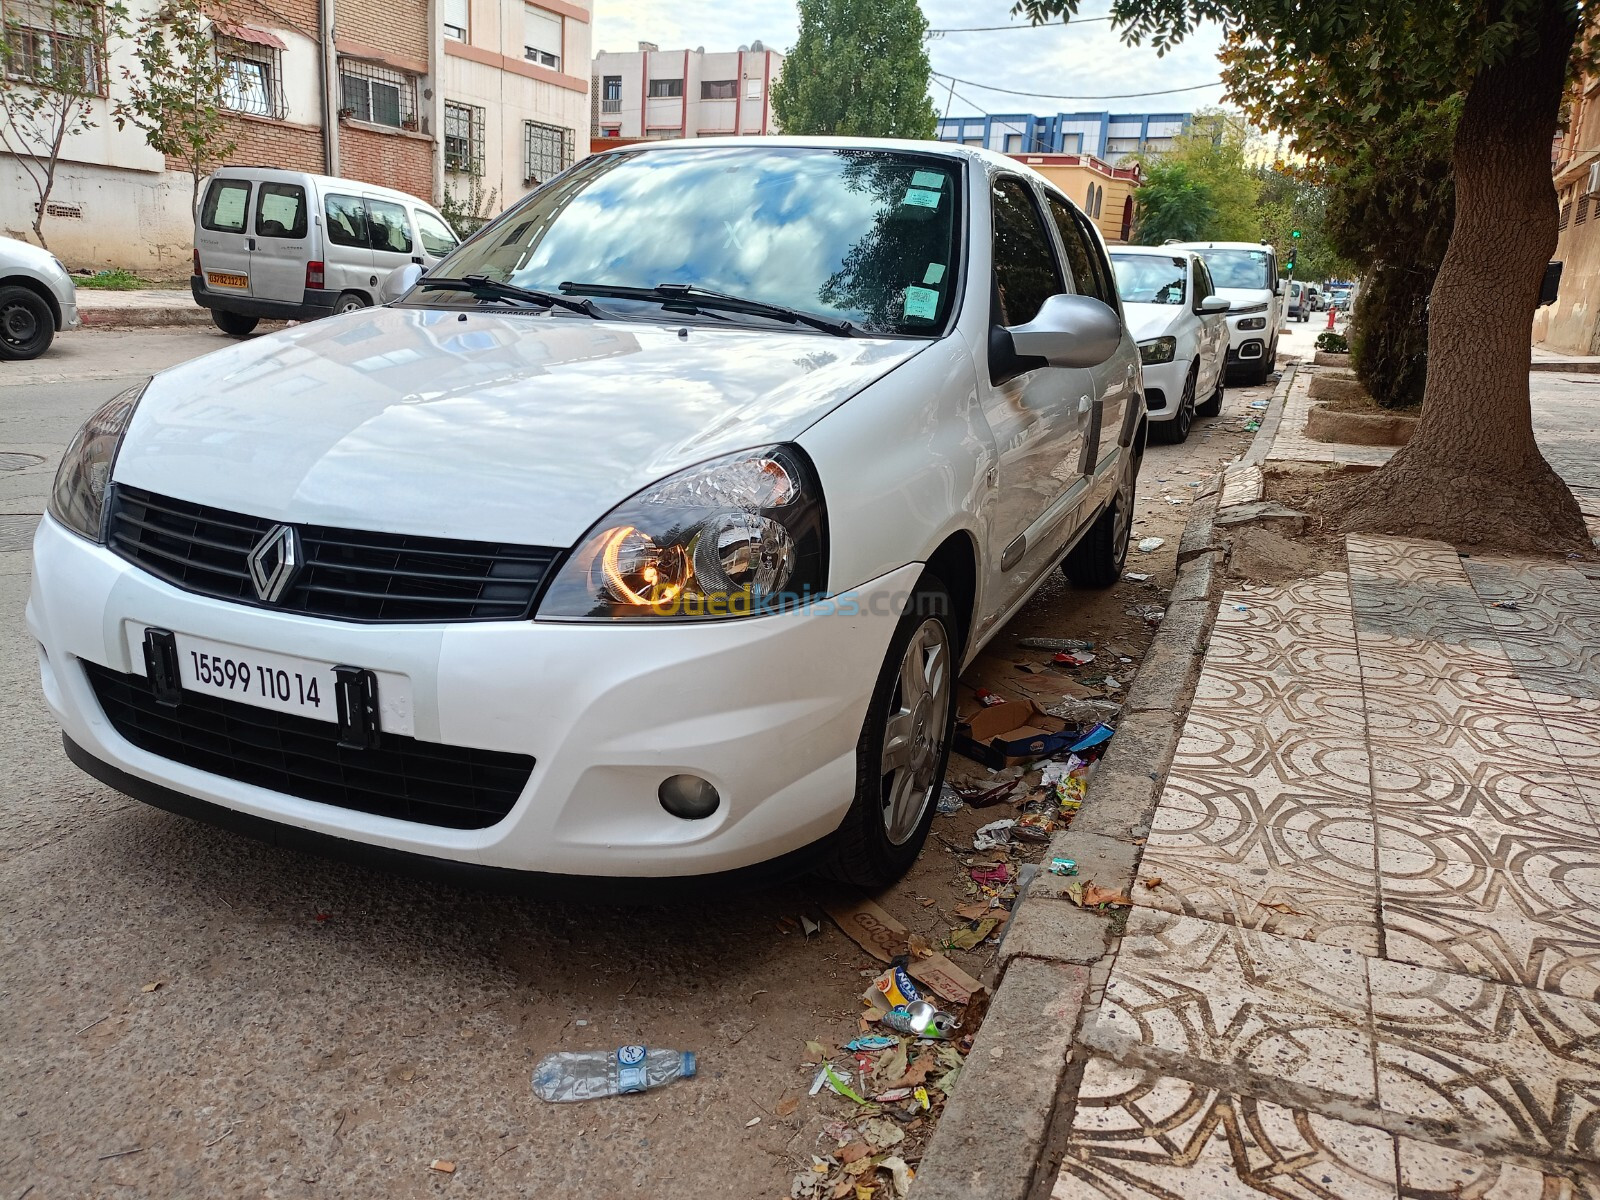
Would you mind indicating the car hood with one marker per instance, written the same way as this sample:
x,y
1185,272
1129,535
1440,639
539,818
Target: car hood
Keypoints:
x,y
1146,321
1245,300
514,427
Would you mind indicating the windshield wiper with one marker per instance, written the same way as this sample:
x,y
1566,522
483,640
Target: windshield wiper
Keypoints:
x,y
699,297
492,289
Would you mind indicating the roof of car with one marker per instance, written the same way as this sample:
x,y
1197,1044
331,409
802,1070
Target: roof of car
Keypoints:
x,y
1221,246
1152,251
329,182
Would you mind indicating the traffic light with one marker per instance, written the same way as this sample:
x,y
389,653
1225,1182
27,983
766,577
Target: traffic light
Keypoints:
x,y
1289,266
1295,234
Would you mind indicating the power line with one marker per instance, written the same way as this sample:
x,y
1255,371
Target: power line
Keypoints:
x,y
994,28
1056,96
1036,144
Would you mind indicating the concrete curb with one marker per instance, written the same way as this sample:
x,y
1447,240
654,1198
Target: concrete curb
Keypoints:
x,y
1004,1132
140,318
1261,449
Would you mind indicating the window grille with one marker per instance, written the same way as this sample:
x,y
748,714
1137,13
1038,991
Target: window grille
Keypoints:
x,y
547,151
1583,209
463,138
1566,215
252,77
380,95
58,46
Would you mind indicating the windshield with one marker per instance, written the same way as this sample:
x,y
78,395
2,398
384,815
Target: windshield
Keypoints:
x,y
1237,268
1146,279
866,236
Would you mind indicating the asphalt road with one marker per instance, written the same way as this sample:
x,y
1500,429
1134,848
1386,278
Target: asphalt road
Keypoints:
x,y
188,1013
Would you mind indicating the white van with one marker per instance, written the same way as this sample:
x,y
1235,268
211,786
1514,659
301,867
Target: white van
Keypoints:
x,y
1247,274
287,245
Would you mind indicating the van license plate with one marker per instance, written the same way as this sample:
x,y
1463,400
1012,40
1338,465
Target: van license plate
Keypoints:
x,y
222,279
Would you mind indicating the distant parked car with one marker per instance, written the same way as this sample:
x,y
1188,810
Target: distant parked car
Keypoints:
x,y
289,246
1169,306
1247,274
1318,304
37,299
1299,301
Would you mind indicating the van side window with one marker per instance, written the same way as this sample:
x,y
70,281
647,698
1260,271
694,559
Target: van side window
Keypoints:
x,y
437,239
281,210
347,220
388,226
226,207
1025,270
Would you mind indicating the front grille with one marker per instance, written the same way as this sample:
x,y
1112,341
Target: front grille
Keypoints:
x,y
452,786
348,574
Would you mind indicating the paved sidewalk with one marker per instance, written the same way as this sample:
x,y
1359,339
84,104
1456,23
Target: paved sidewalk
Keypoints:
x,y
1364,956
143,306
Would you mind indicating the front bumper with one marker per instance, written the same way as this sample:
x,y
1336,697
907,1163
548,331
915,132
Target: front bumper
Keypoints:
x,y
769,710
1163,386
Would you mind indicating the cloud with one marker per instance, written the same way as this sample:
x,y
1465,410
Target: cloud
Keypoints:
x,y
1088,59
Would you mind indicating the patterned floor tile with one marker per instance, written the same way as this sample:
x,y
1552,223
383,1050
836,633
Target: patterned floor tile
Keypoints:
x,y
1279,707
1305,813
1430,1172
1519,1064
1414,560
1206,992
1139,1134
1213,744
1545,798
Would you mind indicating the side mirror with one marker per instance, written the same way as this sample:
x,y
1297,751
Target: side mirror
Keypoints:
x,y
1070,331
1214,304
398,282
1282,288
1550,289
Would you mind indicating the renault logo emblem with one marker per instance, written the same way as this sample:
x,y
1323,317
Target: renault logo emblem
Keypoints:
x,y
274,562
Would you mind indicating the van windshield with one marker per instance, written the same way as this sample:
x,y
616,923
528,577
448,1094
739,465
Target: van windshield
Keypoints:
x,y
866,236
1245,269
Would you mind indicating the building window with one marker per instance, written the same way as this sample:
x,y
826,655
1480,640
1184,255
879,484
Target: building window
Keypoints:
x,y
463,138
1013,143
719,89
752,89
55,44
547,151
457,21
1583,209
611,94
661,89
368,92
542,37
252,76
1594,178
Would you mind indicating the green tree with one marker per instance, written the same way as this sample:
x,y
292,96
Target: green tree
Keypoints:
x,y
1215,149
1297,198
175,92
52,72
1172,205
859,68
1472,473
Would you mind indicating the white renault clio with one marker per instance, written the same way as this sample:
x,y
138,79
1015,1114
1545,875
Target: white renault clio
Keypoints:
x,y
643,537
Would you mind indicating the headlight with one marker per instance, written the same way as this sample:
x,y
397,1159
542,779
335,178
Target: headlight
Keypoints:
x,y
1160,350
78,499
734,537
1253,323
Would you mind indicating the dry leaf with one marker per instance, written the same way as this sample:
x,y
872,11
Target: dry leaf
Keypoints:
x,y
442,1165
920,946
1095,895
929,902
1074,890
968,936
786,1108
975,911
816,1052
1153,882
860,1167
151,987
854,1151
1280,907
845,1187
863,1192
918,1072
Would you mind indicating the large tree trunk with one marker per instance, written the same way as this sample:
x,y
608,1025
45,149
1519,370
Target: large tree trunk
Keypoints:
x,y
1472,474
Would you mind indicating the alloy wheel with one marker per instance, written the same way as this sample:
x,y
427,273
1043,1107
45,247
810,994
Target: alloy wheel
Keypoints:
x,y
914,732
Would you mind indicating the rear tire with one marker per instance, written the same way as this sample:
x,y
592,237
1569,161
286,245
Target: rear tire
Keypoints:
x,y
27,326
1213,406
234,324
1098,558
904,746
350,302
1175,432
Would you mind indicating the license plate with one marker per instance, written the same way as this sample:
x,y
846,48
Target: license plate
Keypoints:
x,y
282,682
223,279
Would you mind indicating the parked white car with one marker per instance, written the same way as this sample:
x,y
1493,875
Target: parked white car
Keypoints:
x,y
1246,273
290,246
646,536
37,299
1174,314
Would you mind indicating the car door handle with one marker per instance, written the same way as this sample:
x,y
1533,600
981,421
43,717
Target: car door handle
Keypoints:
x,y
417,258
251,242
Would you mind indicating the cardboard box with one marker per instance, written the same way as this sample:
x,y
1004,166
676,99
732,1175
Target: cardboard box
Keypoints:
x,y
1005,735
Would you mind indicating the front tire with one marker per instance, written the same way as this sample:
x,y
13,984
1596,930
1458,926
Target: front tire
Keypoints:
x,y
1098,558
27,326
1176,431
904,746
234,324
1213,406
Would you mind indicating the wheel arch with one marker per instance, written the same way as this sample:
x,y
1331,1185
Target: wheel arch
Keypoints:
x,y
38,289
955,562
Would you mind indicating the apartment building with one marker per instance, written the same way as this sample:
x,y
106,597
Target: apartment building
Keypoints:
x,y
515,86
1572,324
1107,136
402,95
655,93
1103,192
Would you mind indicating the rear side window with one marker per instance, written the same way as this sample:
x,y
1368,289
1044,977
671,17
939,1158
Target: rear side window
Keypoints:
x,y
347,220
388,226
1090,275
1025,270
437,239
1202,280
281,211
226,206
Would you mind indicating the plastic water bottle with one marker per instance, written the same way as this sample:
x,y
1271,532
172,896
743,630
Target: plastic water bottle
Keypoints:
x,y
591,1074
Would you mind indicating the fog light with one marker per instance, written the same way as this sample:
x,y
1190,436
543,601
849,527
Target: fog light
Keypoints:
x,y
689,797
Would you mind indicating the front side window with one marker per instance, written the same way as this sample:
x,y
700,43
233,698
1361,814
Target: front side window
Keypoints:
x,y
388,226
281,210
250,77
368,92
436,237
1149,279
1089,273
226,207
1246,269
1025,270
463,138
547,151
542,37
346,220
868,236
1202,281
663,88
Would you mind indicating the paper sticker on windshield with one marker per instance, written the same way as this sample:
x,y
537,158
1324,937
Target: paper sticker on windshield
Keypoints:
x,y
934,274
928,179
921,303
922,198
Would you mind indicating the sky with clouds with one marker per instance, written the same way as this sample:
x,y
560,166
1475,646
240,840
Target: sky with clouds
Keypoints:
x,y
1087,60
